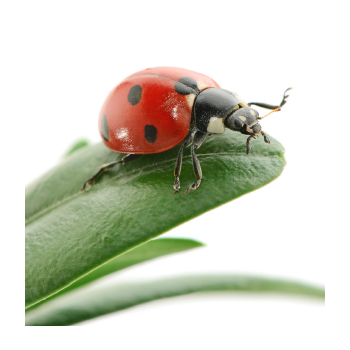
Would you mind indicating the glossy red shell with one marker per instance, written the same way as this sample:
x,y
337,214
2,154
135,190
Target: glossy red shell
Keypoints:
x,y
160,106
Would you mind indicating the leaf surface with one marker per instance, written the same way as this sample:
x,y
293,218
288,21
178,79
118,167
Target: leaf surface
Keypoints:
x,y
79,144
150,250
69,233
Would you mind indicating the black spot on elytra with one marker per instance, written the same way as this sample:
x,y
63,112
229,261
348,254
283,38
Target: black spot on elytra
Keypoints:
x,y
104,128
186,86
150,133
134,95
189,82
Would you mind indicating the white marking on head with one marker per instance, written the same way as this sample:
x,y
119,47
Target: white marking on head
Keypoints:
x,y
243,118
190,99
216,125
252,113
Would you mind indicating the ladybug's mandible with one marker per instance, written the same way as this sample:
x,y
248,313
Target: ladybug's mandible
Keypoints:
x,y
156,109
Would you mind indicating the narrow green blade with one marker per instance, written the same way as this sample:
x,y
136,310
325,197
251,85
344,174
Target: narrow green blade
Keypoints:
x,y
85,304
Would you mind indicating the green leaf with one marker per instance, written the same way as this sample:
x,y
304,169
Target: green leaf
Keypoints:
x,y
85,304
78,145
70,233
150,250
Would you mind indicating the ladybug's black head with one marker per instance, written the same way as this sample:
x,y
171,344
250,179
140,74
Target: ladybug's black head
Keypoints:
x,y
244,120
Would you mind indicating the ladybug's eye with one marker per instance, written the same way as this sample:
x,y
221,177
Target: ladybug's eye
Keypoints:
x,y
234,123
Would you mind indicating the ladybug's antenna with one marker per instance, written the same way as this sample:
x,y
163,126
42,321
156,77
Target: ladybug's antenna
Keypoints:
x,y
275,110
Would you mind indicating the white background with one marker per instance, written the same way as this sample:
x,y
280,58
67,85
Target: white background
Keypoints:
x,y
60,61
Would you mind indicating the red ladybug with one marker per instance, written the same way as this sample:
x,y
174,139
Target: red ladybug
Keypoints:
x,y
156,109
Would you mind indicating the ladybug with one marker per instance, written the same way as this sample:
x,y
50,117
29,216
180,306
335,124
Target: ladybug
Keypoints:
x,y
157,109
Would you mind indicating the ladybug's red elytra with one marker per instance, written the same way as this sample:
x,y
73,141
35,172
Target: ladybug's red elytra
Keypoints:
x,y
157,109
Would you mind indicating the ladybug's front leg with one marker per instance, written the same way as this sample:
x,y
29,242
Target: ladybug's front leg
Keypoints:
x,y
266,138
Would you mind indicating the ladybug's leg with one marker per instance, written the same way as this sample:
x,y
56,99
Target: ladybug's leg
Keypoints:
x,y
267,106
126,159
266,138
249,147
188,140
177,171
198,139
